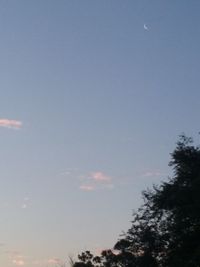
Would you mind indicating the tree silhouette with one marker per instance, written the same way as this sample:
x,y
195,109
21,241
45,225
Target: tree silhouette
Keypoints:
x,y
165,230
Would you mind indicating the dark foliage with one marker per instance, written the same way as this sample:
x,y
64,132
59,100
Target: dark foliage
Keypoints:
x,y
165,230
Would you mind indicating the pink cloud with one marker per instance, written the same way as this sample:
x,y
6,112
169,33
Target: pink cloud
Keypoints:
x,y
14,124
18,262
100,177
87,187
48,262
54,261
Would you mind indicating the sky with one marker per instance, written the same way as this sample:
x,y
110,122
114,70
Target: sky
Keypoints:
x,y
93,97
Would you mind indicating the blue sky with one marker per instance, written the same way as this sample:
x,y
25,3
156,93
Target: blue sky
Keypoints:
x,y
93,97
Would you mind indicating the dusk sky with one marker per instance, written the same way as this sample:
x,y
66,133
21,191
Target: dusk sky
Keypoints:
x,y
94,95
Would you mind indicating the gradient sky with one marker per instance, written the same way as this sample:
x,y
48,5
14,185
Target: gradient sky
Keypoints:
x,y
93,97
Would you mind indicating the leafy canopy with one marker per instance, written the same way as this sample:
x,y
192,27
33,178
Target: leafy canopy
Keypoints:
x,y
165,230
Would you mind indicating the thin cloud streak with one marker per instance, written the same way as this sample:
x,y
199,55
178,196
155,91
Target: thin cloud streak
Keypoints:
x,y
25,203
87,187
96,181
100,177
11,124
24,206
91,181
18,262
54,261
47,262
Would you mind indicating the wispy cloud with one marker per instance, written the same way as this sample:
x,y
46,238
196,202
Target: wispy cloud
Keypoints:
x,y
100,177
15,257
24,206
25,203
18,262
89,180
54,261
87,187
96,180
48,262
69,171
13,124
13,253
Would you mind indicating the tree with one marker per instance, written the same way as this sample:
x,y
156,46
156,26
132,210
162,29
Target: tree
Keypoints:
x,y
178,201
165,230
